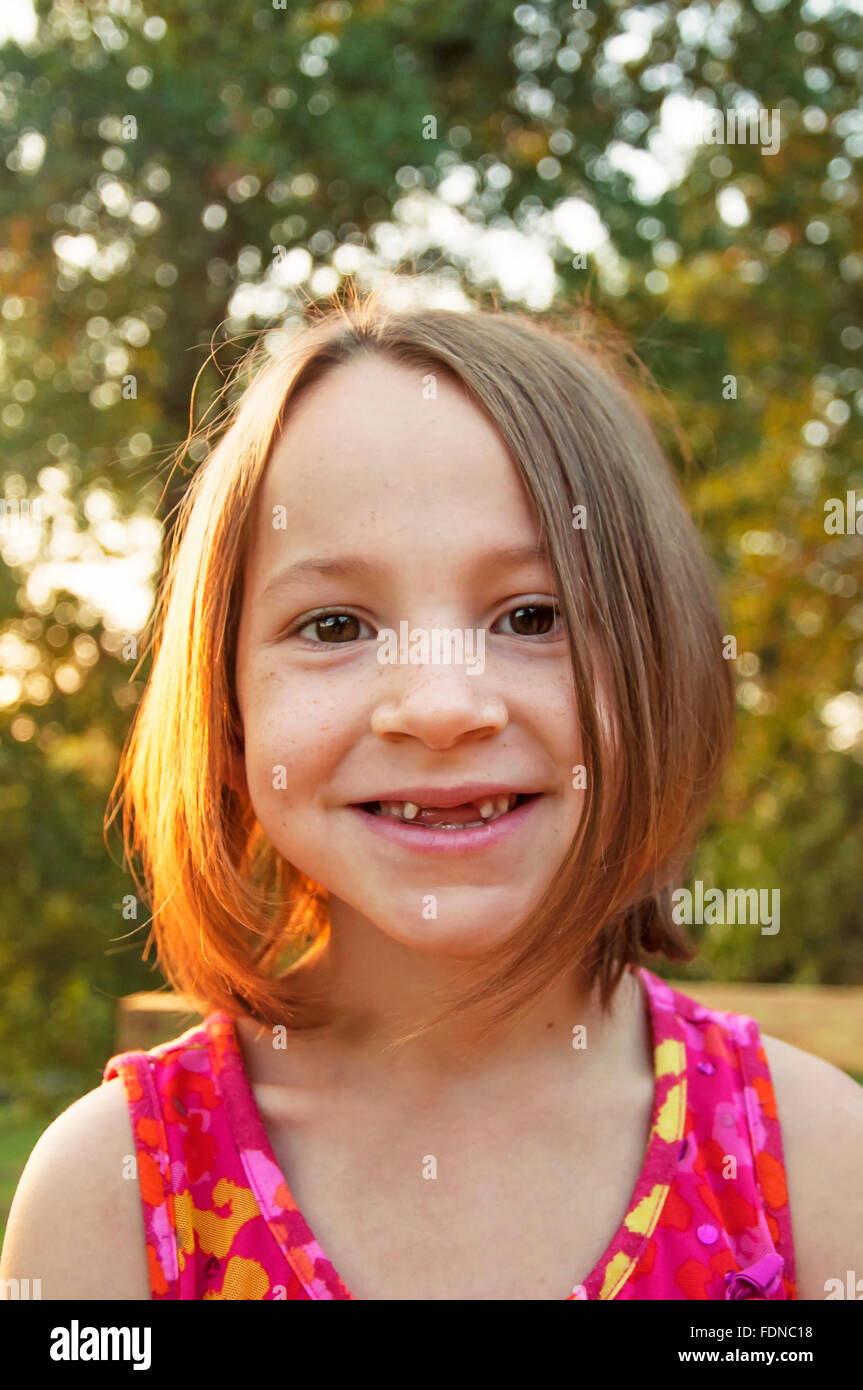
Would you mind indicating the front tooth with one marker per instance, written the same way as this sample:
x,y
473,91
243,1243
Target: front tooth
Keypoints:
x,y
410,810
502,803
486,808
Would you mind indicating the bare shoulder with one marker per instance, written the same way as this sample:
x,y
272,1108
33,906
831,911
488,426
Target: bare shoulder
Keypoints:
x,y
76,1221
820,1112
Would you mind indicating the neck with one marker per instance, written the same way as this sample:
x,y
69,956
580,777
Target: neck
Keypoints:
x,y
379,990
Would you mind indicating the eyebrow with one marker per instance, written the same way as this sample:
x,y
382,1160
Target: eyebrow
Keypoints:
x,y
358,567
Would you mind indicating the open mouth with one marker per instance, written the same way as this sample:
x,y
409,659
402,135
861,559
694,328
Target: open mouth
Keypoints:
x,y
470,815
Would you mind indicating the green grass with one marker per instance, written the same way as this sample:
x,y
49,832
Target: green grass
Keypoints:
x,y
18,1133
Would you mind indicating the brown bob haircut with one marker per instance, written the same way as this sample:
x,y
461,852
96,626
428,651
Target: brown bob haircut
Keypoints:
x,y
235,925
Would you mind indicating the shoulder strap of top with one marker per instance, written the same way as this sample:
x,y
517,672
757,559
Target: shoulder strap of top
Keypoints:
x,y
766,1137
159,1147
757,1104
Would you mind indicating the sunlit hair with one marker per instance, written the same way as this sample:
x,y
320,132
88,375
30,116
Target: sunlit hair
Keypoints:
x,y
235,925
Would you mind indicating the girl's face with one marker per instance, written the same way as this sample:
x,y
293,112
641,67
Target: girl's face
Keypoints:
x,y
390,502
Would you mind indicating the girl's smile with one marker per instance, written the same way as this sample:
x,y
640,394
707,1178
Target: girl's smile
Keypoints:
x,y
438,826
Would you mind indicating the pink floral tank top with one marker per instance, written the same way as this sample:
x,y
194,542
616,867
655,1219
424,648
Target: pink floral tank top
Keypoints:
x,y
708,1218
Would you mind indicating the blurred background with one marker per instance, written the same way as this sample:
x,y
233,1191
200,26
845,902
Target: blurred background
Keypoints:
x,y
179,176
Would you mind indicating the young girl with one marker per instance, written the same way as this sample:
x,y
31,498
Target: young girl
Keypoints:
x,y
437,702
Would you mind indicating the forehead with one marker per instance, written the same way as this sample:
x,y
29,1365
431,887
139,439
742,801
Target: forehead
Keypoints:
x,y
373,405
392,448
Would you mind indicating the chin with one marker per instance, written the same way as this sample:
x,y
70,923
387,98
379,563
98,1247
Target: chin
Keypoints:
x,y
449,935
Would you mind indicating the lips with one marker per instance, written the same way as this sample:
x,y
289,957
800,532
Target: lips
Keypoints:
x,y
451,829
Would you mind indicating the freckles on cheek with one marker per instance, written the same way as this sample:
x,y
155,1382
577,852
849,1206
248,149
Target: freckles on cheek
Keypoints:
x,y
556,709
289,732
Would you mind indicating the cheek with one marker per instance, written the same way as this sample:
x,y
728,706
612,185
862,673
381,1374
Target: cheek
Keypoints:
x,y
283,756
292,735
561,732
560,723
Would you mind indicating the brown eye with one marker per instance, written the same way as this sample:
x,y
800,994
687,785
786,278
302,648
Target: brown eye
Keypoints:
x,y
534,620
332,628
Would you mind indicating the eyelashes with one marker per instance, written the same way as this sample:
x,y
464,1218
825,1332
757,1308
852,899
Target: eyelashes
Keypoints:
x,y
340,627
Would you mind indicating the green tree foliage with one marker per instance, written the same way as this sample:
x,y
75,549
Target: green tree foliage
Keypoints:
x,y
153,168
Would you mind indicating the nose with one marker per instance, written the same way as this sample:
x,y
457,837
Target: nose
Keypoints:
x,y
440,705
